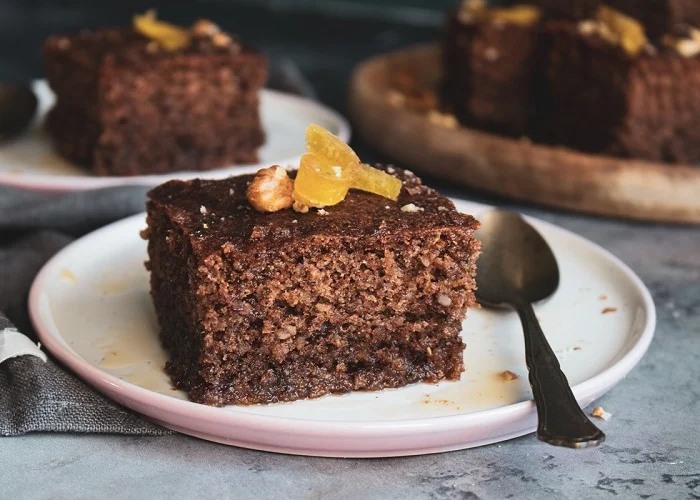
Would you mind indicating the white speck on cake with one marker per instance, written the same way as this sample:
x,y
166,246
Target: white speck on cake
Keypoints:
x,y
411,208
396,98
322,212
391,170
231,191
491,54
446,120
203,210
387,207
338,171
286,332
444,300
205,226
443,209
294,221
63,43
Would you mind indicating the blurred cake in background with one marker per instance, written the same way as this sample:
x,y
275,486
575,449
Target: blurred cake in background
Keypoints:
x,y
155,98
489,62
620,95
580,74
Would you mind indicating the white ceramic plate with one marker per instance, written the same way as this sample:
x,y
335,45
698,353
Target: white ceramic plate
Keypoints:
x,y
91,308
31,162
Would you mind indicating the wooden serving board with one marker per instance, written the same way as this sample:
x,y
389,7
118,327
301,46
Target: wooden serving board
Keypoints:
x,y
552,176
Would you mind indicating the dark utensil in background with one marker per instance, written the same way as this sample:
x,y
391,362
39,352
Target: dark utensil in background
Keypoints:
x,y
18,106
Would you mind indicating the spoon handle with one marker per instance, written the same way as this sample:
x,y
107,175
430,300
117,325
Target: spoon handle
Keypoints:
x,y
561,420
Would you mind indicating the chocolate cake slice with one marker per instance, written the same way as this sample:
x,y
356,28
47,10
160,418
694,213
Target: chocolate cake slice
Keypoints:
x,y
265,307
128,106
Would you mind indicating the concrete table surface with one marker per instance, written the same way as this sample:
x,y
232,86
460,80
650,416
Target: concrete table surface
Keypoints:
x,y
653,447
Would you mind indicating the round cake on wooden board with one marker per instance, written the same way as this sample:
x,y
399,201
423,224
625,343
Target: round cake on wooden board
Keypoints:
x,y
516,168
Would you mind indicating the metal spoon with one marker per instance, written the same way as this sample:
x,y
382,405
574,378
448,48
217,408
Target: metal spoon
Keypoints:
x,y
517,268
17,108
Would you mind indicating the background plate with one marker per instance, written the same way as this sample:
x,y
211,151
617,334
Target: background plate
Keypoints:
x,y
31,161
91,308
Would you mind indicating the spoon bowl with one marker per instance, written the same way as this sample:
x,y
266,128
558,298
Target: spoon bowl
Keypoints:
x,y
516,262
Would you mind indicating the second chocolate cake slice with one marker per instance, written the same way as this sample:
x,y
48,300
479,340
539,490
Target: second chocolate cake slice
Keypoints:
x,y
265,307
127,105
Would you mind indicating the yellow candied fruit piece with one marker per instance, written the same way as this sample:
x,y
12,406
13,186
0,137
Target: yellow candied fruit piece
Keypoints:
x,y
628,30
522,15
318,184
328,147
377,182
168,36
331,168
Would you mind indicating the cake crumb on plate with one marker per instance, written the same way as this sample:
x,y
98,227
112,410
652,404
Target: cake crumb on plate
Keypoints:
x,y
599,412
509,376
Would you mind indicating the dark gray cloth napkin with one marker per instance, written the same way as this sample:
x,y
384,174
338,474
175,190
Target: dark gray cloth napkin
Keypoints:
x,y
37,395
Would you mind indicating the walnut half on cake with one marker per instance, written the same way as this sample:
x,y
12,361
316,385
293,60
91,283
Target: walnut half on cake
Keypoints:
x,y
260,307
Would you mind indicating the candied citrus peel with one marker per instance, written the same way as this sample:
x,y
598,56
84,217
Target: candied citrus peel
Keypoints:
x,y
331,168
522,15
168,36
319,184
377,182
330,148
628,31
